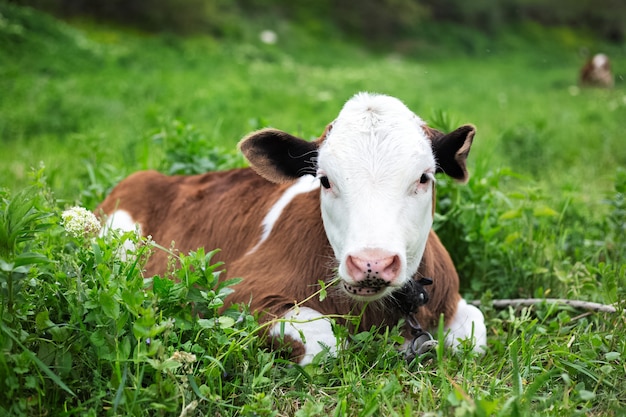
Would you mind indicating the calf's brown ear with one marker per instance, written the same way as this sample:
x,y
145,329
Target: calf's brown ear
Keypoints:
x,y
451,150
278,156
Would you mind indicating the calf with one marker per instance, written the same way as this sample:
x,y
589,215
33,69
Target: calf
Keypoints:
x,y
357,204
597,72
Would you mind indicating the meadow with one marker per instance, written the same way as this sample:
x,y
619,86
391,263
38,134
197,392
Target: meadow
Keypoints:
x,y
83,104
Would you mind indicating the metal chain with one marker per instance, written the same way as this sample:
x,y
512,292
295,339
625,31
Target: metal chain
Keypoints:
x,y
410,298
422,343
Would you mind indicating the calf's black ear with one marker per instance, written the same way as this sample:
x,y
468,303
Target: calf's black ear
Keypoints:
x,y
278,156
451,150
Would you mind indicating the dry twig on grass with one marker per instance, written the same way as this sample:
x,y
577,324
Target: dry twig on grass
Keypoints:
x,y
527,302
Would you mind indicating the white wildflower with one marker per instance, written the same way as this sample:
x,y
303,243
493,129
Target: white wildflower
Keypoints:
x,y
268,37
189,409
80,222
183,357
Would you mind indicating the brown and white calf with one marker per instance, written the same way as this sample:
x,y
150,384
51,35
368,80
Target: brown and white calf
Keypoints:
x,y
597,72
357,204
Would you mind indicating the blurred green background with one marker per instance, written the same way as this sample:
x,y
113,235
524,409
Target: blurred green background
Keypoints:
x,y
371,20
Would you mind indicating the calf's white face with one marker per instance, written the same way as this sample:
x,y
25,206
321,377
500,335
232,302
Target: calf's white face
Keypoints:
x,y
376,164
377,168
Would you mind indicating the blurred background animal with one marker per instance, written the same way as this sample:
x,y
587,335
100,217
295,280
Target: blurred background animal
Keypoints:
x,y
597,72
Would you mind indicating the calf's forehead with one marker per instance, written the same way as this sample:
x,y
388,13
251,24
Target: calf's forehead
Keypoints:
x,y
376,130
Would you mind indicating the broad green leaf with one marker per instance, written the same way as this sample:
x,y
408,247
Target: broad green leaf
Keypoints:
x,y
166,365
586,395
226,322
30,258
63,362
511,214
44,324
512,237
544,211
206,323
162,286
109,305
6,266
97,338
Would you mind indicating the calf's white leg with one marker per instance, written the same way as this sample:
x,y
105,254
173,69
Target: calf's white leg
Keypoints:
x,y
309,327
122,220
467,323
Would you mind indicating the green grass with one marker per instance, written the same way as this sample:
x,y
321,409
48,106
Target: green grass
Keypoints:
x,y
544,215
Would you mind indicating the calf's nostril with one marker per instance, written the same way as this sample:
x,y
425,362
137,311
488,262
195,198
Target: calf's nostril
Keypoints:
x,y
385,268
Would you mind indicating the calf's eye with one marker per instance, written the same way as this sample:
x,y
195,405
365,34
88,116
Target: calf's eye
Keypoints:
x,y
324,181
424,179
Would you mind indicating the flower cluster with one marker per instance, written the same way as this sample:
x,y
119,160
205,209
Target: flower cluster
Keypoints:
x,y
183,357
80,222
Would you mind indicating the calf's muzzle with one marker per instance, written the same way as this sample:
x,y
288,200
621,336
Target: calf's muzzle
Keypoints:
x,y
373,268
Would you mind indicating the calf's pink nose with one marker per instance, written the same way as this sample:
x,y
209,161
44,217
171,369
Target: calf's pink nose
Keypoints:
x,y
373,265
